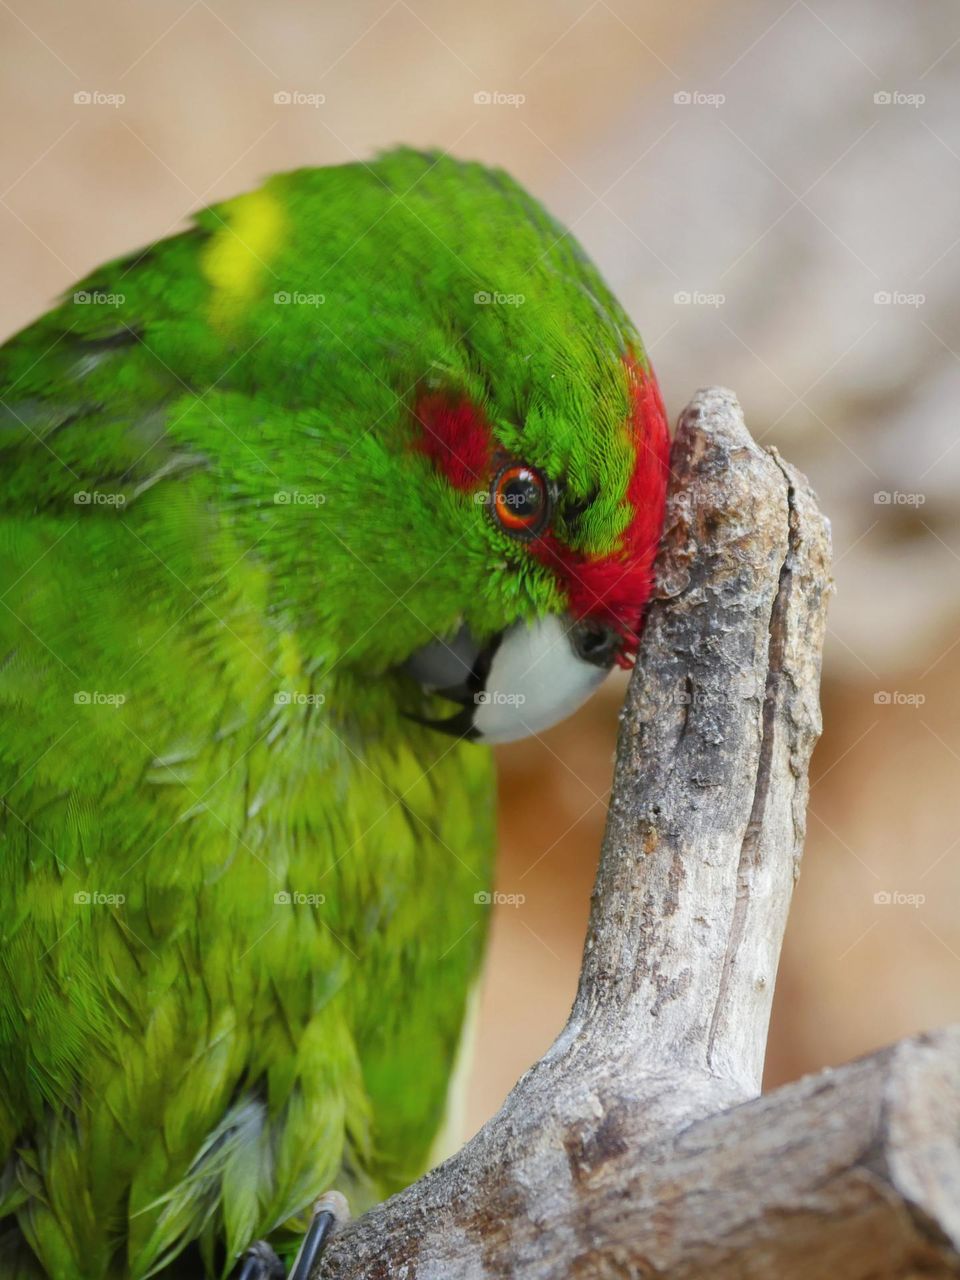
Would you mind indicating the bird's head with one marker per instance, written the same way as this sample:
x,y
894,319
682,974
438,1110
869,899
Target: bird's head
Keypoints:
x,y
472,446
567,501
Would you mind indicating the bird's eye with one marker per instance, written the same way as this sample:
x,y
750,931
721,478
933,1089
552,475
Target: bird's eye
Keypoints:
x,y
520,500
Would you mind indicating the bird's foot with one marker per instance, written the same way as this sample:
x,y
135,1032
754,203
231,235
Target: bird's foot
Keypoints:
x,y
259,1262
328,1211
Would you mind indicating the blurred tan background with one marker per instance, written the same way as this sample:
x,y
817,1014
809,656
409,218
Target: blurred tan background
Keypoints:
x,y
773,190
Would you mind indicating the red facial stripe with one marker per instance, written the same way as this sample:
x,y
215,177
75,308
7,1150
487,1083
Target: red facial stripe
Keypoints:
x,y
456,437
615,588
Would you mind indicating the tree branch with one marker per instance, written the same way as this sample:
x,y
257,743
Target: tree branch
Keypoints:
x,y
636,1146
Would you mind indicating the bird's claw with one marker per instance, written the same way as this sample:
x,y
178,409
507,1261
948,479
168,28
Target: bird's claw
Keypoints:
x,y
330,1209
259,1262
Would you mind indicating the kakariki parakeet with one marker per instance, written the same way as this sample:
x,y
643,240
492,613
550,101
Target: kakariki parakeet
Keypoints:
x,y
298,506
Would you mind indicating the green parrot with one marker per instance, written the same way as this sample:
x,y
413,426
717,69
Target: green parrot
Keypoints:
x,y
299,508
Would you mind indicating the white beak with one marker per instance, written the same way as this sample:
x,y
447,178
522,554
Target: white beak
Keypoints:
x,y
536,678
521,683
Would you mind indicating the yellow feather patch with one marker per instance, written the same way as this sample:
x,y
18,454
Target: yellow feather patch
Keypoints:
x,y
241,250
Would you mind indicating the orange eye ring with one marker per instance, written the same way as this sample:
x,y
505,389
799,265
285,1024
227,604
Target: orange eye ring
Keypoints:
x,y
520,500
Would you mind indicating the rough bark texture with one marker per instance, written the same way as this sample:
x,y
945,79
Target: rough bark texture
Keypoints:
x,y
637,1146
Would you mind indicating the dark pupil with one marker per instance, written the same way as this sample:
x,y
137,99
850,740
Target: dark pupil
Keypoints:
x,y
522,495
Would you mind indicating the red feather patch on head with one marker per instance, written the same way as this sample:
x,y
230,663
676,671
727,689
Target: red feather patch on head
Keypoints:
x,y
456,437
614,588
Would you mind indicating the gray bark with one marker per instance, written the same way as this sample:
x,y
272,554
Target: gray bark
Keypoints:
x,y
637,1146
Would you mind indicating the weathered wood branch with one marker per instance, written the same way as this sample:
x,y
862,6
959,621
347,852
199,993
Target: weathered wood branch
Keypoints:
x,y
637,1146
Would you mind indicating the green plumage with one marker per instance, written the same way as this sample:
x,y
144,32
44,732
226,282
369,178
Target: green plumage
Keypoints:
x,y
217,542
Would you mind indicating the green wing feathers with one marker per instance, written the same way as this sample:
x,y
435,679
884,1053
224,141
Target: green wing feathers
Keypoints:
x,y
237,886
